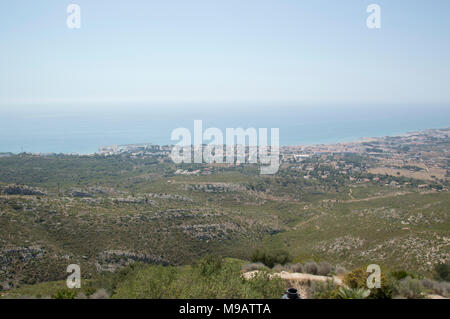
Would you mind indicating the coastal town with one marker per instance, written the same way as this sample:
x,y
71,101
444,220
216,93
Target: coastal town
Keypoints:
x,y
421,155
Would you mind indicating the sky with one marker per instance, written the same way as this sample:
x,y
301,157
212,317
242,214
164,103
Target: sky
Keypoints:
x,y
217,51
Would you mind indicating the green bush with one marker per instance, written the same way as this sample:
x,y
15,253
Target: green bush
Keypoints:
x,y
109,281
65,294
89,290
358,279
441,288
209,265
263,286
253,266
297,268
442,272
271,258
353,293
280,268
311,268
402,274
408,288
324,290
323,268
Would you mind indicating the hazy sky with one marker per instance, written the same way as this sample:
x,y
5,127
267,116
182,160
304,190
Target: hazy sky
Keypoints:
x,y
229,50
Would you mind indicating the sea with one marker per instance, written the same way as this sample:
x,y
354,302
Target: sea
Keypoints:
x,y
82,129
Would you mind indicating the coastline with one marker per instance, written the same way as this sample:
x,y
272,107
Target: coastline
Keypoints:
x,y
166,147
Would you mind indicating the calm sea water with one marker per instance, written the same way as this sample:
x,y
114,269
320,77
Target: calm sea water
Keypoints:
x,y
84,129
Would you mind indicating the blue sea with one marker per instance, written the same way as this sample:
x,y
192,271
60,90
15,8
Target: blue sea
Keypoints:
x,y
83,129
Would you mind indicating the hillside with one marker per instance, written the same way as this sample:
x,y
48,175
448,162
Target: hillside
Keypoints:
x,y
105,212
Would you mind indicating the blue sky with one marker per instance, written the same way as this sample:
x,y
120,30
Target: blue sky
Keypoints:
x,y
218,51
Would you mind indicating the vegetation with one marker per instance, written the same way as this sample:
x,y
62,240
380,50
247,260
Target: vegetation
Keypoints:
x,y
401,274
107,213
271,258
353,293
409,288
64,294
214,277
357,279
324,290
209,278
442,272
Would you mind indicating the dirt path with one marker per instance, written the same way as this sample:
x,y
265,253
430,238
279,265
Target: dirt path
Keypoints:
x,y
384,196
350,194
308,220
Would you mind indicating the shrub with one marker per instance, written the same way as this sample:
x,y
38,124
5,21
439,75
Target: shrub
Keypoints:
x,y
100,294
258,256
442,272
89,290
109,281
297,268
340,270
65,294
401,274
263,286
409,288
427,284
280,268
358,279
323,268
253,266
271,258
209,265
353,293
442,288
311,268
324,290
435,287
